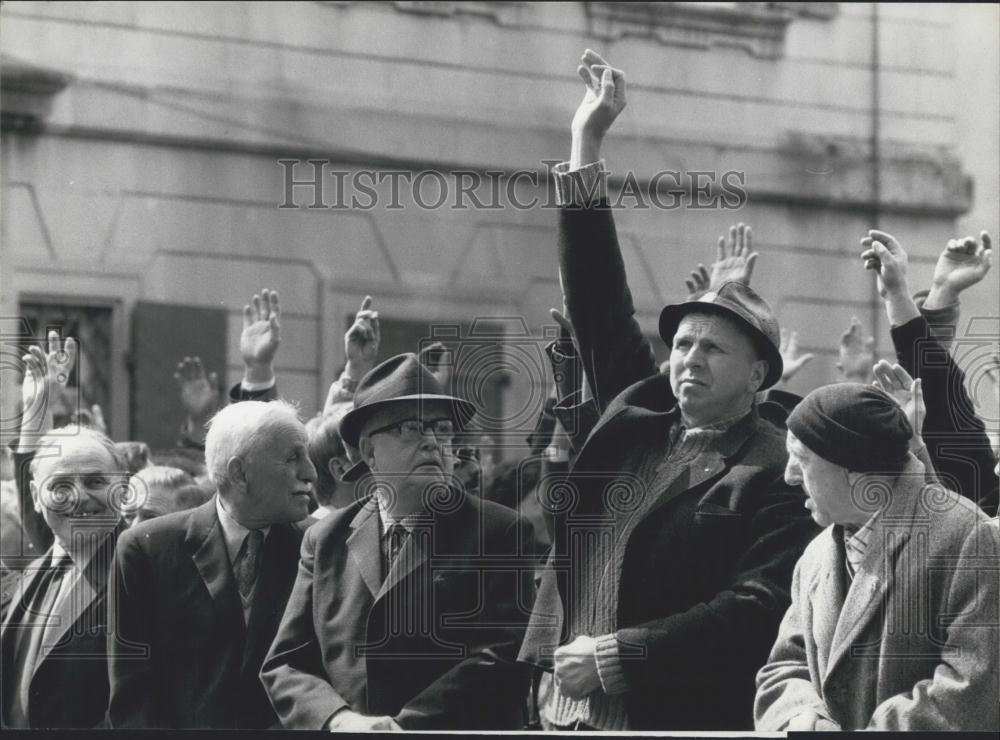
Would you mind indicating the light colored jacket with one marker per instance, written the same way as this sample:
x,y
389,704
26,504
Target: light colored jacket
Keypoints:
x,y
912,642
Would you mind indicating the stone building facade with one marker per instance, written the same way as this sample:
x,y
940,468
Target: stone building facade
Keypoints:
x,y
141,149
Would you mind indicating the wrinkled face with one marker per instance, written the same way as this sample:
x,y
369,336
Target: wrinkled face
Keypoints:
x,y
278,477
714,370
78,491
827,486
408,464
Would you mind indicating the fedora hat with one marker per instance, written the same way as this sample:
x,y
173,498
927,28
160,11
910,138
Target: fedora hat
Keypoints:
x,y
399,379
740,303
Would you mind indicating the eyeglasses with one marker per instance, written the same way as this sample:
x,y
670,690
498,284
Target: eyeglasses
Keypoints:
x,y
410,430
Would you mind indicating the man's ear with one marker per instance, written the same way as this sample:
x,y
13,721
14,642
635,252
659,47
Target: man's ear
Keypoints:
x,y
367,451
758,374
337,468
236,472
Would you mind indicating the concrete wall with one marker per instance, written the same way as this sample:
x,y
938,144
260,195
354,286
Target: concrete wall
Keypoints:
x,y
153,173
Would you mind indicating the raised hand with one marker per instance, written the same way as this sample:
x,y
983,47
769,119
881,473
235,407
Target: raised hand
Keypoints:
x,y
884,254
735,260
962,264
888,259
603,100
261,335
604,97
46,375
905,391
856,354
199,392
361,342
792,361
698,283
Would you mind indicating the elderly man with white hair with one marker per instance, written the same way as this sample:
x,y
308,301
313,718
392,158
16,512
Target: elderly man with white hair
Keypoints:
x,y
197,595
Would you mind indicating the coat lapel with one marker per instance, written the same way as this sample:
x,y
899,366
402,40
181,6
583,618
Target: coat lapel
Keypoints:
x,y
17,624
827,599
77,601
364,546
207,546
85,594
431,533
24,593
413,554
874,579
705,463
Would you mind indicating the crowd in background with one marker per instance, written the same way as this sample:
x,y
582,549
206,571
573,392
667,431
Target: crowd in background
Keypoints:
x,y
685,546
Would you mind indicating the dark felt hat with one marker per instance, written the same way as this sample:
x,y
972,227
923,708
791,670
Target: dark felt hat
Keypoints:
x,y
399,379
741,304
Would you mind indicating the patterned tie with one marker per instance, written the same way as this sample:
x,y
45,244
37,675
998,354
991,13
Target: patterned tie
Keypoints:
x,y
245,568
394,538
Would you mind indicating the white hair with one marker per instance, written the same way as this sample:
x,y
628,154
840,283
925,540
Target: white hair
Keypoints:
x,y
237,431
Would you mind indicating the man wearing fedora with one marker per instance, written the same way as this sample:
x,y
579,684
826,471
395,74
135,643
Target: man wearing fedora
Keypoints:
x,y
410,603
672,555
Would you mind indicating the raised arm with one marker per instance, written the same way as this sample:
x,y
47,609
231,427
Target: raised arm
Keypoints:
x,y
613,349
856,355
199,395
962,264
907,392
361,345
955,436
46,375
259,342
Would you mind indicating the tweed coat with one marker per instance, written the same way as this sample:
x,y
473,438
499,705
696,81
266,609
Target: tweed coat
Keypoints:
x,y
911,642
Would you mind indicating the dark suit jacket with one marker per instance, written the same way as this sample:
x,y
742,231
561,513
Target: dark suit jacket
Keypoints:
x,y
706,573
69,684
434,646
181,654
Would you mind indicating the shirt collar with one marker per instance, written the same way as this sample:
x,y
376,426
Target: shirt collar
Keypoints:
x,y
387,520
232,531
59,552
721,425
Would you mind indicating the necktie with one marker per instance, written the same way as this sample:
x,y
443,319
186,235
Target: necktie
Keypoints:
x,y
245,568
394,543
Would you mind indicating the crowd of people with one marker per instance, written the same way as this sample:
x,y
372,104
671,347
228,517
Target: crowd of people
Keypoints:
x,y
689,546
